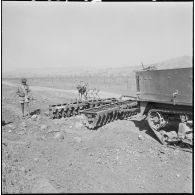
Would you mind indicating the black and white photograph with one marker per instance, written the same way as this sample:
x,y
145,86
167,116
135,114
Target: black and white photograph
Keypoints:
x,y
97,97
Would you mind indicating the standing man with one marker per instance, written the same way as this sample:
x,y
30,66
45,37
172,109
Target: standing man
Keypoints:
x,y
24,98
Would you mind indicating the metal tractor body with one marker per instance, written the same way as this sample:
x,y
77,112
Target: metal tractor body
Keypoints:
x,y
165,97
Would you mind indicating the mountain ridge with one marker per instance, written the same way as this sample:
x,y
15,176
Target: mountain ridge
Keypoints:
x,y
178,62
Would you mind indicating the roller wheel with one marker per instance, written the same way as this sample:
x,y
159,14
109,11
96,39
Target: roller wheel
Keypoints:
x,y
155,120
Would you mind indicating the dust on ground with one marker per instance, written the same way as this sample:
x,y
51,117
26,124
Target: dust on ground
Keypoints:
x,y
41,155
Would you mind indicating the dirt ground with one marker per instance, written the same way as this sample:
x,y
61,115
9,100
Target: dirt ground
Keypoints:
x,y
41,155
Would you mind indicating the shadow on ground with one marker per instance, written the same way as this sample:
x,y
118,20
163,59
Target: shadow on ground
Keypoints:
x,y
37,112
3,123
143,125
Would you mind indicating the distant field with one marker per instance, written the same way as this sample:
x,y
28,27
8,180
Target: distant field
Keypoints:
x,y
121,85
114,80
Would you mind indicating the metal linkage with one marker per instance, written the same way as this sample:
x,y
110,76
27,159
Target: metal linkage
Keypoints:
x,y
99,116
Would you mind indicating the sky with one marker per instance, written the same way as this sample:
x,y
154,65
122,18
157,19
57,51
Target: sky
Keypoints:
x,y
68,35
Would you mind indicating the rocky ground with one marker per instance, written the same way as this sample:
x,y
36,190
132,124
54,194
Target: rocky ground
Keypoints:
x,y
41,155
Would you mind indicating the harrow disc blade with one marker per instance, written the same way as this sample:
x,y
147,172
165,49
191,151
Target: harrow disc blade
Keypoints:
x,y
103,121
109,117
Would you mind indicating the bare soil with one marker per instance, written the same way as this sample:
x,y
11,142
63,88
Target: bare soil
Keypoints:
x,y
122,156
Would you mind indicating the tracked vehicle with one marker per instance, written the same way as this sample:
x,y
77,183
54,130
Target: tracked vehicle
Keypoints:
x,y
165,98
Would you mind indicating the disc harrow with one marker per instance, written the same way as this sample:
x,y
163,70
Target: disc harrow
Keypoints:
x,y
99,116
65,110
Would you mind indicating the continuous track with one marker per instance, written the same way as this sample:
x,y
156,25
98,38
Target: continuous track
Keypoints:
x,y
161,120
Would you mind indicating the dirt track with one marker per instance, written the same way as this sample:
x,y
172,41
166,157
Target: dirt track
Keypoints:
x,y
119,157
66,93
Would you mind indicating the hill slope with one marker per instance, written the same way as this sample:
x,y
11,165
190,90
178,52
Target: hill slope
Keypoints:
x,y
184,61
179,62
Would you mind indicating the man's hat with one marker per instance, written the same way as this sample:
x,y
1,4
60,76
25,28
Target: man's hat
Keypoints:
x,y
23,80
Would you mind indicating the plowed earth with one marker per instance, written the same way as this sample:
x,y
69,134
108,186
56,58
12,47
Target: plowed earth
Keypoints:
x,y
41,155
